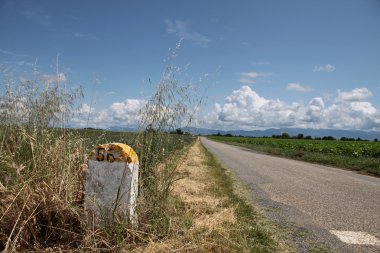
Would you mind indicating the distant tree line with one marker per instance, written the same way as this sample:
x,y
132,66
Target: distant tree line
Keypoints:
x,y
179,131
299,136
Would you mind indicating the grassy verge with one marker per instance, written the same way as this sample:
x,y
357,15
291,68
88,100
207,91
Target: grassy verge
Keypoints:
x,y
249,233
206,214
363,164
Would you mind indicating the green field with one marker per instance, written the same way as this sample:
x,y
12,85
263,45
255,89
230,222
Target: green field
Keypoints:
x,y
95,137
361,156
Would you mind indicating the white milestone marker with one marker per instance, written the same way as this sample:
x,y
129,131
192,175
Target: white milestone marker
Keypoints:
x,y
111,185
352,237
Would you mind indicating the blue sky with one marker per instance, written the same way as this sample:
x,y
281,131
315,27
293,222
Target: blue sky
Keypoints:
x,y
262,63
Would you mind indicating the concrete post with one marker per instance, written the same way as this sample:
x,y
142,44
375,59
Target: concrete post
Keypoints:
x,y
111,185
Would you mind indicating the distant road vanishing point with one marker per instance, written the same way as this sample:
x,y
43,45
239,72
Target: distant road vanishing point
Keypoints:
x,y
323,207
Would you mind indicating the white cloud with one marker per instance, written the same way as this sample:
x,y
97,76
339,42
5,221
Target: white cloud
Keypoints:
x,y
358,94
324,68
49,79
251,77
245,109
128,110
89,36
126,113
299,87
181,29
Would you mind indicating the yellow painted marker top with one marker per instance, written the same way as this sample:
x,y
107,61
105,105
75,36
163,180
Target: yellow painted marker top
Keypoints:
x,y
114,152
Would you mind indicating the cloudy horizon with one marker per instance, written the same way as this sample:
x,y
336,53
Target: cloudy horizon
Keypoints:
x,y
245,109
255,64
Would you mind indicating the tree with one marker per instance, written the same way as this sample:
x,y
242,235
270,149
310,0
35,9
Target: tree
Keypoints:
x,y
300,136
285,136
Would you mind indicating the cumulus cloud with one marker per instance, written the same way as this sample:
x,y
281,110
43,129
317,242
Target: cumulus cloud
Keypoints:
x,y
299,87
358,94
126,113
324,68
245,109
182,30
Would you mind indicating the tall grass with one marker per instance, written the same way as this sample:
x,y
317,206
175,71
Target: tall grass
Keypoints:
x,y
40,168
167,109
43,167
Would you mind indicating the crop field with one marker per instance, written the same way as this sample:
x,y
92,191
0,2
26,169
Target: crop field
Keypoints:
x,y
355,155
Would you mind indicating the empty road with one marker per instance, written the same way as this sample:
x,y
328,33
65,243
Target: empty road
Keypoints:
x,y
320,206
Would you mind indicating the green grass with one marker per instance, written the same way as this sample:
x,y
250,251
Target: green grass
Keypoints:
x,y
95,137
353,155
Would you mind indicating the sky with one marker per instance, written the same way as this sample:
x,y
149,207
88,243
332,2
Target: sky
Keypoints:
x,y
255,64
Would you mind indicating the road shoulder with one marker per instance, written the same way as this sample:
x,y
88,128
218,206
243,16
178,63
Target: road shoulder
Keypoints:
x,y
210,213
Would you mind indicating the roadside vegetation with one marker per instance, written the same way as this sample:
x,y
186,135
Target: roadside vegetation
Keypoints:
x,y
210,214
43,167
363,156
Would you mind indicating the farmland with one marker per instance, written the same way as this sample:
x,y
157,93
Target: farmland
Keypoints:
x,y
360,156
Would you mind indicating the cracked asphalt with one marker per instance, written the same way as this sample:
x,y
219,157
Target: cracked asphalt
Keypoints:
x,y
308,200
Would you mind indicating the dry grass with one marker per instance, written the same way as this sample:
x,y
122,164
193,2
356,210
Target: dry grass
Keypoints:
x,y
203,219
197,193
42,170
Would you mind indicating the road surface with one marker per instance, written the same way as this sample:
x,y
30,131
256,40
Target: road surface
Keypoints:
x,y
322,207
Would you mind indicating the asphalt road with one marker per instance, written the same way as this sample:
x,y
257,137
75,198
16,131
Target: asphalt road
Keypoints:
x,y
321,207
